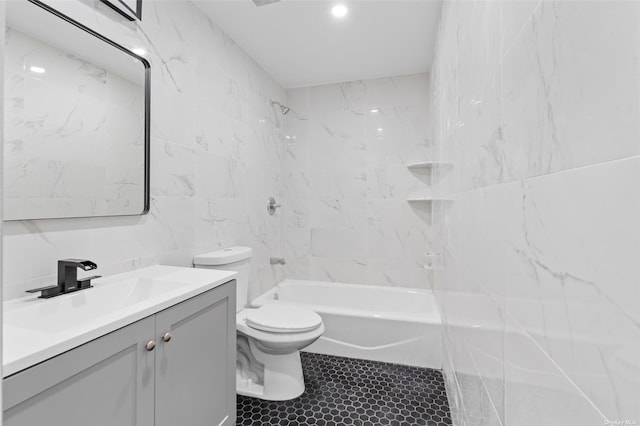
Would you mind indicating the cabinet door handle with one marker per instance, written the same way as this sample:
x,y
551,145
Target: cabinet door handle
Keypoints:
x,y
167,336
151,345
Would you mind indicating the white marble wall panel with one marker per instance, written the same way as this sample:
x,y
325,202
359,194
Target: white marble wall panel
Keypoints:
x,y
537,104
223,221
395,232
537,392
179,160
347,181
297,243
551,121
338,199
397,182
217,154
297,213
584,316
338,243
398,273
385,152
336,269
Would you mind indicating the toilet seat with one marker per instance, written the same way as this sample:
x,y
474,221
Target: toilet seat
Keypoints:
x,y
281,318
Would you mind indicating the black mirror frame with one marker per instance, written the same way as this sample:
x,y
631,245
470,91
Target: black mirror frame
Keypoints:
x,y
123,9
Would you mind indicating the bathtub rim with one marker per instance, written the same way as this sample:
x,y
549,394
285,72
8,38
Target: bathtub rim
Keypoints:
x,y
429,318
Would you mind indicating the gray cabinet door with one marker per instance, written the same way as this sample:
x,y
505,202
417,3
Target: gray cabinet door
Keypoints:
x,y
195,370
106,382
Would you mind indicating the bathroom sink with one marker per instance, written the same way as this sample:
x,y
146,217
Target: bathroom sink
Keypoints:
x,y
91,305
37,329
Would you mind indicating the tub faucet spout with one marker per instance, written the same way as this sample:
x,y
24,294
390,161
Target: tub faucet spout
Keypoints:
x,y
277,261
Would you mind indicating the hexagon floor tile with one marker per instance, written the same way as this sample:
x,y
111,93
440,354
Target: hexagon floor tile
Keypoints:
x,y
345,391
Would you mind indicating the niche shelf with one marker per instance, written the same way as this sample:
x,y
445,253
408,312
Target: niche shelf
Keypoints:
x,y
427,198
429,165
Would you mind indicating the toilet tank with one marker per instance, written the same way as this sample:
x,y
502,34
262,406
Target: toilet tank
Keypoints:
x,y
230,259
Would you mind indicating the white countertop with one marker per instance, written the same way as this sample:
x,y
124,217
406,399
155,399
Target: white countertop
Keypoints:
x,y
35,330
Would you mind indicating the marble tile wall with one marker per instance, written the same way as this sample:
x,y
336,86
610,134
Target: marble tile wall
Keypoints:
x,y
538,102
217,154
347,181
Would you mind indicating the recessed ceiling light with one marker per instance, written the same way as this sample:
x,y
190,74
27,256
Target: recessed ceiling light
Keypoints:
x,y
380,129
375,110
139,51
339,11
38,70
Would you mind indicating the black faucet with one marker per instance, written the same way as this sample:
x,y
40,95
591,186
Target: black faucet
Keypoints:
x,y
68,278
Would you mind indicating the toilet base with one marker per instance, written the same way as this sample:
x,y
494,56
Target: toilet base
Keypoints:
x,y
282,379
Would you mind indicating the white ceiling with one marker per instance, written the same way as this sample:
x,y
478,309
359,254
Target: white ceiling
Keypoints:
x,y
299,43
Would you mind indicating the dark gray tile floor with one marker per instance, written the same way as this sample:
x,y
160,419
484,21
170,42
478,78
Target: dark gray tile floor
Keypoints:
x,y
344,391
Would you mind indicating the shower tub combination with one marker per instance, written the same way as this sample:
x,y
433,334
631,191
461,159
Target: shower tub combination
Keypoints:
x,y
388,324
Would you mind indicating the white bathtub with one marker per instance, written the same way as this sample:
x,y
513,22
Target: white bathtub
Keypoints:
x,y
398,325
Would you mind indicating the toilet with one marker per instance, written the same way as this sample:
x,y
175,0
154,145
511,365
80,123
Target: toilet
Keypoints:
x,y
269,338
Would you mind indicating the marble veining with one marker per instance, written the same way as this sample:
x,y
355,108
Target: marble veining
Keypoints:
x,y
346,178
534,101
213,135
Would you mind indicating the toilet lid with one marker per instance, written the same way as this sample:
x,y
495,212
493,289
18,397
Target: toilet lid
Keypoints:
x,y
280,318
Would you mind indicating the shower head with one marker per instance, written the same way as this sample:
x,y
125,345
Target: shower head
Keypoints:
x,y
284,109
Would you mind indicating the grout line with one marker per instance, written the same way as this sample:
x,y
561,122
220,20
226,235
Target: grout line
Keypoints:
x,y
484,385
553,362
520,31
634,157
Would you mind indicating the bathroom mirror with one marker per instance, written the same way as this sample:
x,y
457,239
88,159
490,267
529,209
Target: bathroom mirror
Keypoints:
x,y
76,114
130,9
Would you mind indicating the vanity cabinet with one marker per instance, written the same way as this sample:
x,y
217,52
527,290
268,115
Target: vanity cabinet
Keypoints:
x,y
106,382
176,367
195,370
